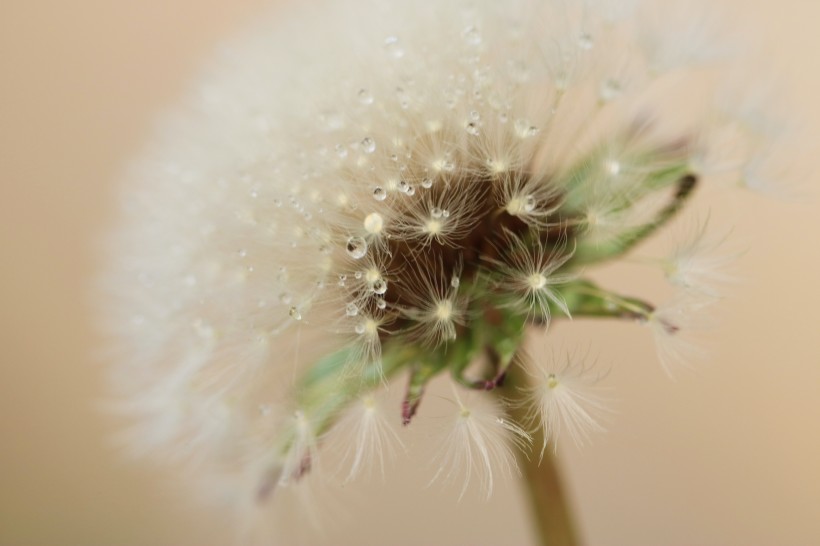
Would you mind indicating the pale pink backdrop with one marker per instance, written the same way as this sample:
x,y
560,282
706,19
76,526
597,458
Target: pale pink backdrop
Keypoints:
x,y
727,454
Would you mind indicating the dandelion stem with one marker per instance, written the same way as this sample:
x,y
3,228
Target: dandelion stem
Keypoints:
x,y
548,501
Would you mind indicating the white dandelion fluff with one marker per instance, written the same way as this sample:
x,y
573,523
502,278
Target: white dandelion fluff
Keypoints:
x,y
477,440
562,397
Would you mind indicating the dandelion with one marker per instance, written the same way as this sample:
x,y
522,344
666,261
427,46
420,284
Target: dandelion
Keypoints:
x,y
375,194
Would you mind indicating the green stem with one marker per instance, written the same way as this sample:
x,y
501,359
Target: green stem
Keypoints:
x,y
549,505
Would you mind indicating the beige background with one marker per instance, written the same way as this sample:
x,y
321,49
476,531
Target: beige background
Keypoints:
x,y
728,454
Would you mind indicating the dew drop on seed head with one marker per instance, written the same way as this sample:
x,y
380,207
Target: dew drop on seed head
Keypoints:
x,y
381,304
379,193
351,310
406,188
427,183
379,286
455,282
436,212
341,150
365,97
472,128
356,247
285,298
359,328
357,275
295,314
524,129
368,145
529,203
342,280
445,213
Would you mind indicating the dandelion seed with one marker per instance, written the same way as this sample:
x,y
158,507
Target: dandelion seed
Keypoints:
x,y
477,441
528,275
373,440
562,398
697,263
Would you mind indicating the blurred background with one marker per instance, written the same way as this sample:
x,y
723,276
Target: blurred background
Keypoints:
x,y
727,454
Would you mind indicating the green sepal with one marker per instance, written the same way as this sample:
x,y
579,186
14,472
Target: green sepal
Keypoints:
x,y
585,299
589,252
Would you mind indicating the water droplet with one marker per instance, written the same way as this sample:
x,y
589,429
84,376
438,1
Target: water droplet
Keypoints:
x,y
525,129
285,298
427,183
351,310
356,247
341,150
585,41
475,116
472,128
295,314
381,304
365,97
357,275
342,279
368,145
445,213
379,194
379,286
436,212
448,166
360,328
406,188
242,253
393,47
455,282
472,35
529,203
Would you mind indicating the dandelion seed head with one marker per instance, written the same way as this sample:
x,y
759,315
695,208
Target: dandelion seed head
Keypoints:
x,y
332,209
